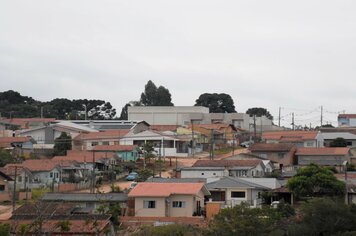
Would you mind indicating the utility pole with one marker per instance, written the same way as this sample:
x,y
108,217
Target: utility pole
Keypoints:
x,y
93,175
14,192
279,117
193,147
254,128
293,121
321,116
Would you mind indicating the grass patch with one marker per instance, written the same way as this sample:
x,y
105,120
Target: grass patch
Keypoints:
x,y
39,192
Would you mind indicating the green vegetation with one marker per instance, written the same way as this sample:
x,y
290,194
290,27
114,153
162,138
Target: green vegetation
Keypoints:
x,y
315,181
259,111
171,230
62,144
63,225
338,142
13,104
4,229
37,193
5,158
217,103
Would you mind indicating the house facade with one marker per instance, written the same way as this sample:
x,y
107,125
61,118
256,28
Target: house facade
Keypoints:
x,y
299,138
168,199
281,153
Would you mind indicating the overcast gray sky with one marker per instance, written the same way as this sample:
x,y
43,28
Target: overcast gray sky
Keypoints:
x,y
295,54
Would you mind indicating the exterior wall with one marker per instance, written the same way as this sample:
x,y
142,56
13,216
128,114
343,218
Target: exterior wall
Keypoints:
x,y
323,160
44,177
187,211
285,158
202,173
159,211
183,115
236,201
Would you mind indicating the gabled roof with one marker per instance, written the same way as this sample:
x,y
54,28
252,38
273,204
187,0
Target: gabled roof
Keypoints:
x,y
15,139
334,135
230,182
164,127
109,134
217,126
290,136
272,147
85,197
114,147
83,156
176,180
226,163
325,151
36,165
151,189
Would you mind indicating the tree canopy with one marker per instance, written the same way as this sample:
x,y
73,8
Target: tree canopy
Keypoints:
x,y
259,111
217,103
338,142
13,104
62,144
313,181
153,96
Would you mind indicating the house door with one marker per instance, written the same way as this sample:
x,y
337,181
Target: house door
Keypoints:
x,y
198,208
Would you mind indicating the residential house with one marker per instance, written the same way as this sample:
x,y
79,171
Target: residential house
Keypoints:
x,y
124,152
299,138
231,191
329,156
23,176
5,194
220,168
7,128
268,164
348,137
52,215
217,133
30,123
185,115
47,134
168,199
281,153
87,202
87,142
346,120
164,144
19,146
102,125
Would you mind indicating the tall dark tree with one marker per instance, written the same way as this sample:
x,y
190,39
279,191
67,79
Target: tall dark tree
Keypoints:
x,y
153,96
13,104
124,111
217,103
338,142
62,144
259,111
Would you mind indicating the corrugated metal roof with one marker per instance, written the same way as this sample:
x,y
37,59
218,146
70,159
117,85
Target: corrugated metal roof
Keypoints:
x,y
85,197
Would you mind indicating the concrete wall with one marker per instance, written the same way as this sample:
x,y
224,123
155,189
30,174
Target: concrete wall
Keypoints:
x,y
322,160
159,211
187,211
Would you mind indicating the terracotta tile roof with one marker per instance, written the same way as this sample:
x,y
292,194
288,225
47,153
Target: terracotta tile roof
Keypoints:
x,y
150,189
82,156
109,134
349,116
164,127
36,165
225,163
212,126
24,122
290,135
14,139
326,151
114,147
272,147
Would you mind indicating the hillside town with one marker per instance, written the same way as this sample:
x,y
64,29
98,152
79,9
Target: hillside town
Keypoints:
x,y
165,166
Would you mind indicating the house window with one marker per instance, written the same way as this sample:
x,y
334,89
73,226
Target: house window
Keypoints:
x,y
19,178
94,143
178,204
57,175
106,143
2,187
51,175
149,204
214,173
238,194
280,155
310,144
